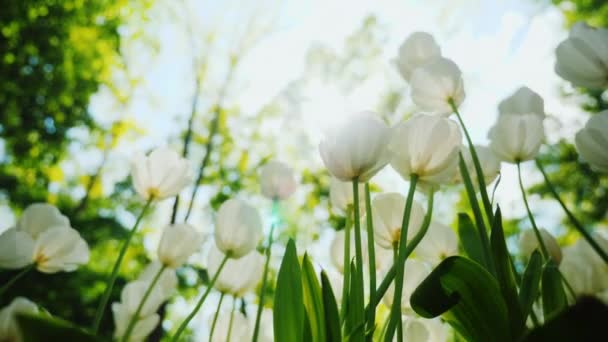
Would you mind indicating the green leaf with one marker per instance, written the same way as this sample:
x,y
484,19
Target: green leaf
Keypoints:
x,y
506,276
36,328
355,319
288,315
332,317
528,291
467,296
469,238
313,300
554,296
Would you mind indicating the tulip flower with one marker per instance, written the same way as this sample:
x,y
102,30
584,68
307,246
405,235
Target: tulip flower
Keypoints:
x,y
232,327
439,243
489,162
528,244
143,326
436,85
162,174
416,271
9,330
517,138
424,330
387,216
239,276
592,142
37,217
177,244
238,228
341,195
584,270
426,146
356,150
277,180
523,101
582,58
418,49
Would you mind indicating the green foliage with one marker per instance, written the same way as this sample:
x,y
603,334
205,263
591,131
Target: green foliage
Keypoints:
x,y
529,287
288,314
332,317
469,239
594,11
313,300
36,328
554,296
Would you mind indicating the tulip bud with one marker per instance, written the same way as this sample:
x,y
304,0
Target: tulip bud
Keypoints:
x,y
235,322
160,175
582,58
592,142
416,271
489,162
517,138
387,216
177,244
435,84
438,243
341,195
523,101
9,329
528,243
277,180
238,276
356,150
426,146
238,228
418,49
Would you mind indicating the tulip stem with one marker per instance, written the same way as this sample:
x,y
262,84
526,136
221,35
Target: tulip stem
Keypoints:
x,y
480,178
215,316
577,224
346,264
399,326
258,315
400,265
106,295
358,251
135,316
539,238
14,279
372,261
229,335
184,324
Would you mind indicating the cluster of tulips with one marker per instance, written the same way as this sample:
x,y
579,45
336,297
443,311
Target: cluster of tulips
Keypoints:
x,y
402,275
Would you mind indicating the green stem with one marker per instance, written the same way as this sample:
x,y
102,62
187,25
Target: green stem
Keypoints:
x,y
541,242
399,326
372,261
184,324
229,335
586,235
106,295
346,265
400,265
217,313
135,316
358,250
15,278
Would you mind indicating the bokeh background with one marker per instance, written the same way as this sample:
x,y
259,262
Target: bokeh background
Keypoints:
x,y
86,84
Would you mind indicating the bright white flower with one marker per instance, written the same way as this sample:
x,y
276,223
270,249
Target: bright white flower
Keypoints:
x,y
436,83
416,271
178,243
528,243
357,149
387,217
16,249
592,142
277,180
167,283
266,326
60,249
143,327
238,325
424,330
162,174
517,138
523,101
239,276
341,195
418,49
238,228
582,58
585,271
9,330
426,146
38,217
439,242
489,162
337,248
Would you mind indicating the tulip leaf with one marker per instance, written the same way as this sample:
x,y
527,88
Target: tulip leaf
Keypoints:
x,y
469,238
355,319
554,296
330,306
467,296
313,300
528,290
35,328
288,313
505,275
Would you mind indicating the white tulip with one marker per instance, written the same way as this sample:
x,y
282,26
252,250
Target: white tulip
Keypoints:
x,y
387,217
523,101
177,244
582,58
239,276
416,271
427,146
167,283
585,271
357,149
266,326
517,138
162,174
418,49
592,142
489,162
142,328
38,217
439,242
277,180
337,248
16,249
235,322
424,330
341,195
238,228
528,243
9,330
435,84
60,249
